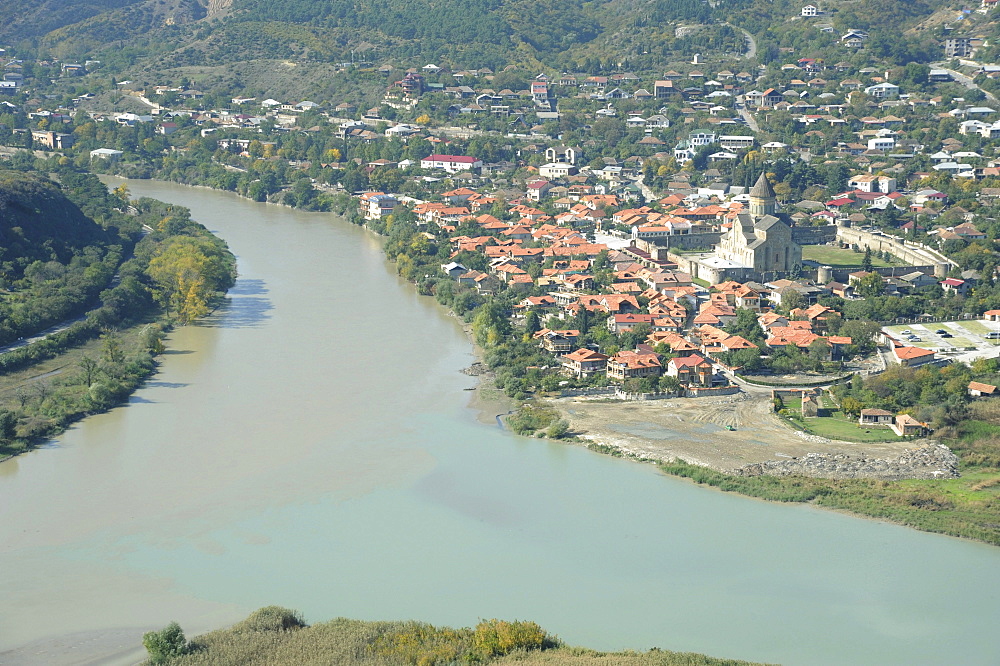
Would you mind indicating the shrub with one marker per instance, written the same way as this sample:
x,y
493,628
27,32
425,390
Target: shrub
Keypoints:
x,y
494,638
165,644
558,429
272,618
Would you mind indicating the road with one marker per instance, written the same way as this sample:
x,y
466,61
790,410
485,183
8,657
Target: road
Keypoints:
x,y
751,42
964,80
58,328
646,192
751,121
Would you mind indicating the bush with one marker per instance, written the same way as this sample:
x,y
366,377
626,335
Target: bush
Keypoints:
x,y
558,429
495,638
165,644
272,618
529,419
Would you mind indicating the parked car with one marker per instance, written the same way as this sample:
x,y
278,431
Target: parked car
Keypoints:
x,y
993,335
940,331
947,335
907,332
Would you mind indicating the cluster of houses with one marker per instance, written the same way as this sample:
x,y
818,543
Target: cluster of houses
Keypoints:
x,y
534,251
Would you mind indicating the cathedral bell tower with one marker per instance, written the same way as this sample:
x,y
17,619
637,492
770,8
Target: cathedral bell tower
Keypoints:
x,y
762,199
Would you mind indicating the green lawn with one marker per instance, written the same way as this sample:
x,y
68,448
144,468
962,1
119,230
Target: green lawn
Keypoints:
x,y
833,424
836,257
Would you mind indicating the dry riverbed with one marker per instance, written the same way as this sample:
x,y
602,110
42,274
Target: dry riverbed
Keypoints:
x,y
694,430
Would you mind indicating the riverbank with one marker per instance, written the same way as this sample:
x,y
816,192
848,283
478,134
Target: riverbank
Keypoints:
x,y
920,484
18,389
738,434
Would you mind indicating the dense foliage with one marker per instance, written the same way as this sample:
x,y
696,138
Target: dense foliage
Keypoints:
x,y
54,259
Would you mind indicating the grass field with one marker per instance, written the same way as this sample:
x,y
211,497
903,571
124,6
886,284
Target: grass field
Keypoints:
x,y
833,424
838,258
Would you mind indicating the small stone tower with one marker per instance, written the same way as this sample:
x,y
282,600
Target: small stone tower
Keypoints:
x,y
762,199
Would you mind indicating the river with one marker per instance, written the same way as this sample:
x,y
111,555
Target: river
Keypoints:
x,y
310,445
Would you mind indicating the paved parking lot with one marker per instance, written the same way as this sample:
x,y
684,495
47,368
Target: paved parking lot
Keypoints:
x,y
959,340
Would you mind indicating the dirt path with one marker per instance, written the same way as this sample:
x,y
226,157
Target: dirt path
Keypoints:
x,y
694,430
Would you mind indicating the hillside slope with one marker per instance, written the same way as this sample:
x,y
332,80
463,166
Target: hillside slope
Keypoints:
x,y
472,33
563,35
38,222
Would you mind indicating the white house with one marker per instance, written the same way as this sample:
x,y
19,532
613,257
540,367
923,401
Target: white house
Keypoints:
x,y
810,11
561,154
451,163
870,183
106,154
881,143
377,206
701,138
736,142
883,91
556,170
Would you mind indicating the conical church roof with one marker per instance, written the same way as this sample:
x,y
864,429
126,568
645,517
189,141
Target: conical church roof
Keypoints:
x,y
762,188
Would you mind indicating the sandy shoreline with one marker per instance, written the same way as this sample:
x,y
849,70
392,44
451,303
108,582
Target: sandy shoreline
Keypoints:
x,y
106,646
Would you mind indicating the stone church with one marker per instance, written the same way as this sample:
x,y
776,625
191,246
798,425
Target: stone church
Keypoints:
x,y
759,240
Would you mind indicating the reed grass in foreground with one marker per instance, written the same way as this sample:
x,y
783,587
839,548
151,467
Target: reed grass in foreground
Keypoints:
x,y
277,636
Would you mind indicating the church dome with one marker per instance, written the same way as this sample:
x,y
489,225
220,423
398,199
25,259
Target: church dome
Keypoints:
x,y
762,188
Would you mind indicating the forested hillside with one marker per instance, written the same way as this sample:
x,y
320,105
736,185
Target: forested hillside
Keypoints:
x,y
38,222
34,18
54,258
159,36
471,33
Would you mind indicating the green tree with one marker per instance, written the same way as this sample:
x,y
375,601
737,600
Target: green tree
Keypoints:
x,y
531,323
851,406
791,299
745,325
557,430
165,644
89,368
870,285
8,425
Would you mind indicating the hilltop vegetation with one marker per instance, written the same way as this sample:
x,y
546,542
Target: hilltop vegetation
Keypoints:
x,y
470,33
275,635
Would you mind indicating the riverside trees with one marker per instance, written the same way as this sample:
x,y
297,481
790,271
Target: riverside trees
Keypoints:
x,y
188,272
